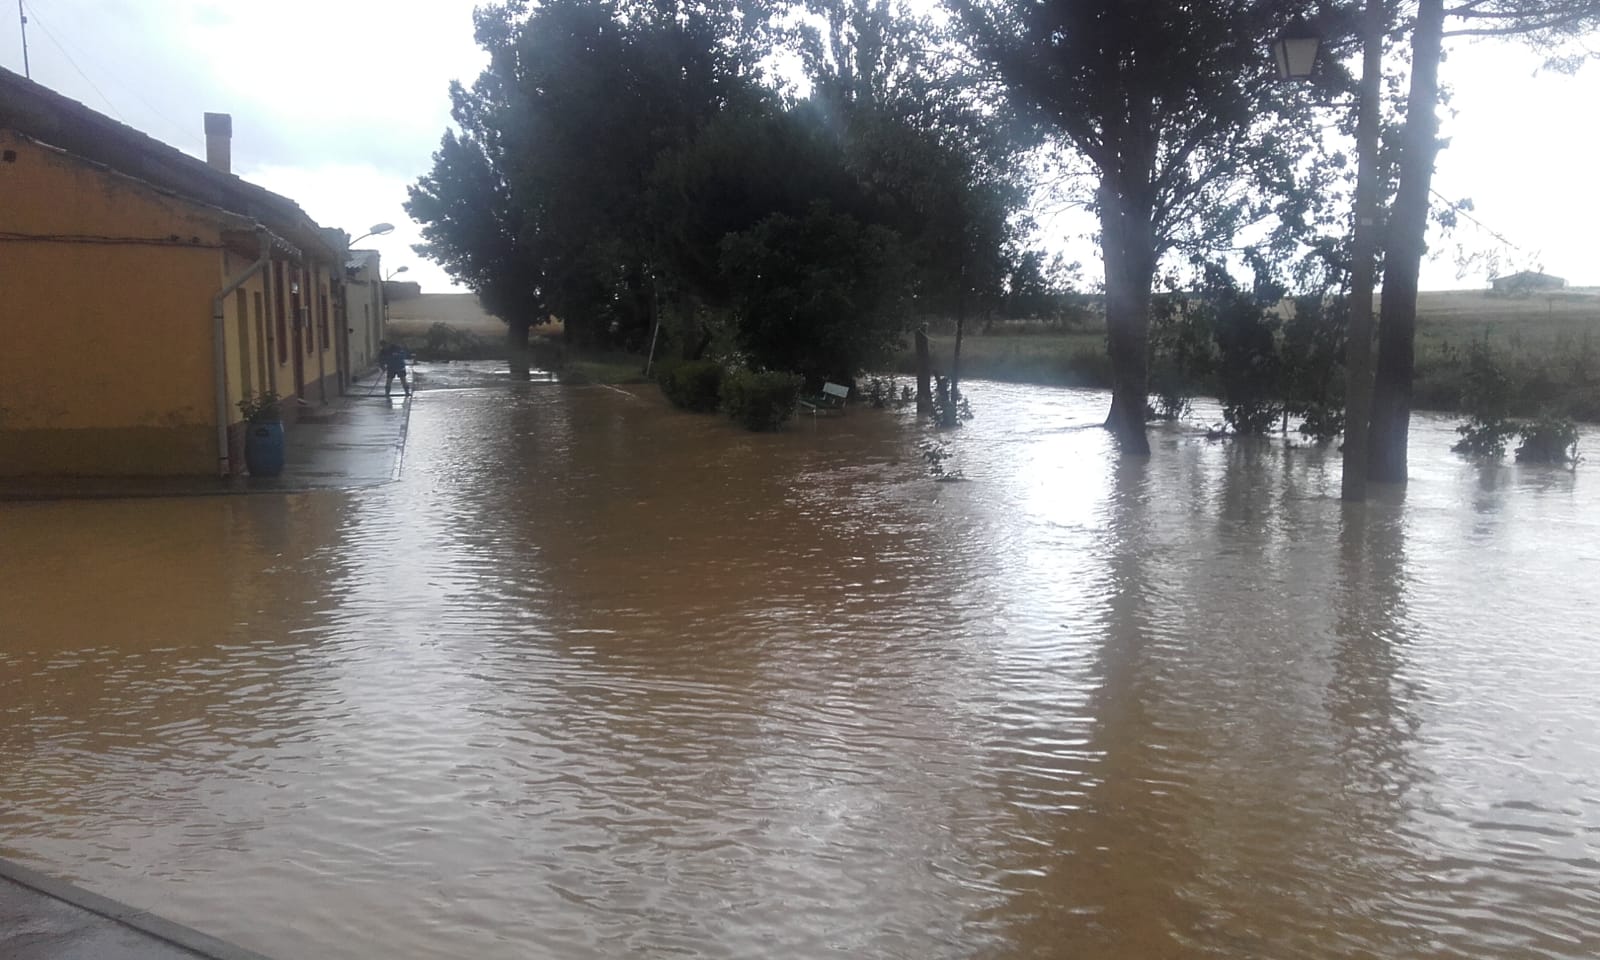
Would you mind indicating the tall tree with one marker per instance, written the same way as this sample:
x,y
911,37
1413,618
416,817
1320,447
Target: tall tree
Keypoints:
x,y
565,127
1547,24
473,222
1177,109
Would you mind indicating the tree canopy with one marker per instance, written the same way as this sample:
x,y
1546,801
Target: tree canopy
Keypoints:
x,y
620,162
1181,117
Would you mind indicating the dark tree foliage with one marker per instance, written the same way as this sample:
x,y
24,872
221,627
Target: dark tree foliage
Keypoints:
x,y
821,294
473,228
622,162
1036,290
579,101
1177,109
932,143
1312,352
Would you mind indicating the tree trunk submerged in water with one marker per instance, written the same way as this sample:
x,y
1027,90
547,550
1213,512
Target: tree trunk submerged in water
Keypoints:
x,y
517,333
924,374
1127,244
1408,225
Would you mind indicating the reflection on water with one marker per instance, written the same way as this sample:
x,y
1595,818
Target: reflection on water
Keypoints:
x,y
598,679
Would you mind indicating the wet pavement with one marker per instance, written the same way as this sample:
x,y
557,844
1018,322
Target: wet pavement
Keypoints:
x,y
45,919
357,440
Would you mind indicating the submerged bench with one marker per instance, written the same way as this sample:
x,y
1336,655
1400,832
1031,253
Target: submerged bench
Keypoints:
x,y
831,398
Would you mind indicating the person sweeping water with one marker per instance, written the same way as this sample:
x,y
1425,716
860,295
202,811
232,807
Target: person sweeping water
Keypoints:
x,y
393,357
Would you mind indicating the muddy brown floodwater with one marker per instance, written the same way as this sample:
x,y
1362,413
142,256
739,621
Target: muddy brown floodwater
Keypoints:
x,y
599,679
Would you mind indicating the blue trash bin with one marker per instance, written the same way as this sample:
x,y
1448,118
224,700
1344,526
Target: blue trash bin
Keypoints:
x,y
263,448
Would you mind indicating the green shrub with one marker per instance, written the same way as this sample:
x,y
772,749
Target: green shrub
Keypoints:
x,y
1321,423
881,392
1486,397
1549,439
261,408
695,386
1484,438
760,401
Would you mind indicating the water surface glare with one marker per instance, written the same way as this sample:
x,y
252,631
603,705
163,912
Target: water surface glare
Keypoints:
x,y
599,679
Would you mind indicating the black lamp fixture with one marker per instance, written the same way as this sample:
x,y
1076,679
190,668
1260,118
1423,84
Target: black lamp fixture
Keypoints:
x,y
1295,51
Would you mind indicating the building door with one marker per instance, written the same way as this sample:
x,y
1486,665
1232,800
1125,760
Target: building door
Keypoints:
x,y
298,319
341,333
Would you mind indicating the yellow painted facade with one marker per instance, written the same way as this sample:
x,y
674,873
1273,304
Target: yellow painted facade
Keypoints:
x,y
107,287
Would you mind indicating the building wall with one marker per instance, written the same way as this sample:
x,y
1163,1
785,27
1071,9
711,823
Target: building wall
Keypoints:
x,y
305,362
107,350
364,296
106,292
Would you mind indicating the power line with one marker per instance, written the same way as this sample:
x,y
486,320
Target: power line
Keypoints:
x,y
183,132
22,16
85,76
1481,225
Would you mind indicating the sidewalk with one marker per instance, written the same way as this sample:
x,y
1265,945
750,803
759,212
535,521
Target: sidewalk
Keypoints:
x,y
45,919
357,440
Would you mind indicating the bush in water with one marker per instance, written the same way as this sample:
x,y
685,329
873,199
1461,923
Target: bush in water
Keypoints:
x,y
1549,439
760,401
695,386
1485,396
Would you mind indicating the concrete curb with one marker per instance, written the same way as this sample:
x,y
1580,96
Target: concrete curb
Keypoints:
x,y
149,924
400,441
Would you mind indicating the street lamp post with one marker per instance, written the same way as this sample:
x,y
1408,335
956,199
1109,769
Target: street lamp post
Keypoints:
x,y
387,277
377,230
1295,54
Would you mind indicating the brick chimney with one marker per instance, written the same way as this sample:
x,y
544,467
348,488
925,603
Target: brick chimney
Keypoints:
x,y
219,141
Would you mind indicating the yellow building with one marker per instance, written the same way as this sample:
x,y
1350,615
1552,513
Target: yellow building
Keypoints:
x,y
144,292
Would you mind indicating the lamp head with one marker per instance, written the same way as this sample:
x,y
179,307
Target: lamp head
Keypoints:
x,y
1294,53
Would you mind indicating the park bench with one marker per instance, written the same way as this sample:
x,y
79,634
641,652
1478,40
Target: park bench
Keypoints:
x,y
831,399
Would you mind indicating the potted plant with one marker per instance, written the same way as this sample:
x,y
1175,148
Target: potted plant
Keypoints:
x,y
263,435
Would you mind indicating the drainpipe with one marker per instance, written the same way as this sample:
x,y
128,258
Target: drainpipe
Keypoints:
x,y
219,347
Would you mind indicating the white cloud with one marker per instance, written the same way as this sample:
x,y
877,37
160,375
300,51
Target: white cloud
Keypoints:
x,y
354,197
337,104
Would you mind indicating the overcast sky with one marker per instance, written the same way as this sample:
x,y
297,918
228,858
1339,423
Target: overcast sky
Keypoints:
x,y
339,105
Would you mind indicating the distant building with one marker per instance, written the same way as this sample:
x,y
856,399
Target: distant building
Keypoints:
x,y
145,292
363,308
1524,282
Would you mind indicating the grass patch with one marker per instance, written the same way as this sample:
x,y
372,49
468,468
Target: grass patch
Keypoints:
x,y
1061,359
1551,354
600,366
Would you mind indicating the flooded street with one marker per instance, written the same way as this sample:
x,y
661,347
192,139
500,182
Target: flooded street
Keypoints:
x,y
600,679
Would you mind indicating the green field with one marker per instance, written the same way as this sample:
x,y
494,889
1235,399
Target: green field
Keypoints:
x,y
1548,345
